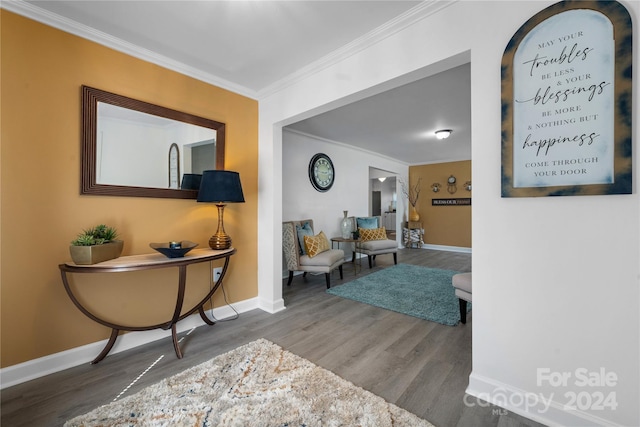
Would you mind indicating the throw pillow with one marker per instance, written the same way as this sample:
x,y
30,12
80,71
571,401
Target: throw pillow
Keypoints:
x,y
304,230
316,244
369,222
367,234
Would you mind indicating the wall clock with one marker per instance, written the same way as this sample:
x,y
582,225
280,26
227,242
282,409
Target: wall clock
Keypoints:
x,y
174,165
451,184
321,172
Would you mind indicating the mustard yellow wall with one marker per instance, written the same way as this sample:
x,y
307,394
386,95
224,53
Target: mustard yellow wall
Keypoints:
x,y
443,225
42,211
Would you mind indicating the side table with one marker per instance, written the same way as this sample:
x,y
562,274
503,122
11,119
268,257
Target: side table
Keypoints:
x,y
355,242
412,234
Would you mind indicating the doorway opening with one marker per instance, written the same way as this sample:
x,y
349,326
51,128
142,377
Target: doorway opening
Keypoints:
x,y
383,197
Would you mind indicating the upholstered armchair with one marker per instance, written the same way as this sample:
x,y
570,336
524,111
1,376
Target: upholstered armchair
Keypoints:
x,y
462,284
373,240
320,259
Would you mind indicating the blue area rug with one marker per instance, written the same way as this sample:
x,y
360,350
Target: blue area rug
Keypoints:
x,y
417,291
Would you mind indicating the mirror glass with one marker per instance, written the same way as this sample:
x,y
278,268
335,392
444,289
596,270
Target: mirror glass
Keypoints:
x,y
132,148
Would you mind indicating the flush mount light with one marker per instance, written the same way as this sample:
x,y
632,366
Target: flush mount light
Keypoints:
x,y
443,133
382,178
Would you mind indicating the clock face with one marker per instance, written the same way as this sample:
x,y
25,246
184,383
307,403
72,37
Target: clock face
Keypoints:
x,y
451,184
321,172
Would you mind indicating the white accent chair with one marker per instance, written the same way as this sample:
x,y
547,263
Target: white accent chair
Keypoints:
x,y
372,248
325,262
462,283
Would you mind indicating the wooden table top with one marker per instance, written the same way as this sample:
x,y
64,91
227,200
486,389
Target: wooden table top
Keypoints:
x,y
151,260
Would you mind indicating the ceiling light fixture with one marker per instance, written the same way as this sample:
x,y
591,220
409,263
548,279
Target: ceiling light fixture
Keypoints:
x,y
382,178
443,133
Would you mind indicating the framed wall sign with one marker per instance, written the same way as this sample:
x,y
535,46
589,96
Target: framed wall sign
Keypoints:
x,y
566,102
465,201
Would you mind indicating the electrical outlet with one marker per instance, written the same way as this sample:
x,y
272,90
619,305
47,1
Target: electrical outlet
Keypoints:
x,y
217,272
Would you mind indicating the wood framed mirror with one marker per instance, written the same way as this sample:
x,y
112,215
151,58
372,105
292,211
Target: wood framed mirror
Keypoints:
x,y
126,144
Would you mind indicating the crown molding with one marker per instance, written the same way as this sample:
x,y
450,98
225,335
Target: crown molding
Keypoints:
x,y
408,18
413,15
43,16
374,153
344,145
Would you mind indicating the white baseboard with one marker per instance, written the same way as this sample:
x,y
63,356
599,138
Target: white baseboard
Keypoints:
x,y
36,368
535,406
447,248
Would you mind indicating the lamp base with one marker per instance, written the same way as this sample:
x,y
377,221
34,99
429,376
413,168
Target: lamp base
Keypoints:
x,y
220,241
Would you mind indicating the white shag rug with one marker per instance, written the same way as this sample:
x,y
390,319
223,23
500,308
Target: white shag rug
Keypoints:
x,y
258,384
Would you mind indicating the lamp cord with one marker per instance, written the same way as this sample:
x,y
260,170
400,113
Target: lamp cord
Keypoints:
x,y
224,293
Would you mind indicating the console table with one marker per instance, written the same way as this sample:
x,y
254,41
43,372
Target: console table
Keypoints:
x,y
148,262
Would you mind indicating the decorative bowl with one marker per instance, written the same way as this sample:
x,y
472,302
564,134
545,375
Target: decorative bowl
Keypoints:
x,y
173,249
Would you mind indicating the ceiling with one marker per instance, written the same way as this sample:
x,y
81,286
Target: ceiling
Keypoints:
x,y
401,123
256,47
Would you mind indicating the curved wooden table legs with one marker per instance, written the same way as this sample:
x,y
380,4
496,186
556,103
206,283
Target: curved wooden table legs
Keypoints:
x,y
126,264
107,348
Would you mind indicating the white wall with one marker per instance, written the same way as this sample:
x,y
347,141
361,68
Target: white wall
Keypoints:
x,y
136,153
350,190
556,280
129,153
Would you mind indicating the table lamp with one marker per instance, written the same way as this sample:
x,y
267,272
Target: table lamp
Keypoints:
x,y
220,187
191,181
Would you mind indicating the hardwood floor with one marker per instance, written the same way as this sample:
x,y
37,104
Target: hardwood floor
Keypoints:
x,y
418,365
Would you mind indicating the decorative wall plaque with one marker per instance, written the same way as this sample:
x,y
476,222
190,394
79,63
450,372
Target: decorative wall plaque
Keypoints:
x,y
465,201
566,102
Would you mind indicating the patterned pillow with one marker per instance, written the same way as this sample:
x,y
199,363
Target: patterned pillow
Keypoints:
x,y
316,244
367,234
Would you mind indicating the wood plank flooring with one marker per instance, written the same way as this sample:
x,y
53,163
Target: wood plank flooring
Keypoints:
x,y
418,365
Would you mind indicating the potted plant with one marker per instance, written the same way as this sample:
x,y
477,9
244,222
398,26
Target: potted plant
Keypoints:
x,y
95,245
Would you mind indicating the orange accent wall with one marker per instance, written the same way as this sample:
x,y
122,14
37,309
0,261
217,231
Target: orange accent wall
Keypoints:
x,y
42,70
443,225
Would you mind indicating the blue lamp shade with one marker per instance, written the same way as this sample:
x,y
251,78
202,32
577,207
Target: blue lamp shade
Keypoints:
x,y
220,186
191,181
